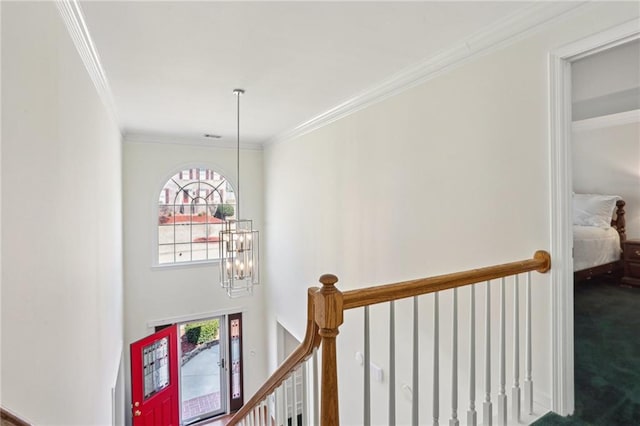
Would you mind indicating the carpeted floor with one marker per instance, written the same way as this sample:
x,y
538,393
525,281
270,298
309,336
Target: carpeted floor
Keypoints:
x,y
607,356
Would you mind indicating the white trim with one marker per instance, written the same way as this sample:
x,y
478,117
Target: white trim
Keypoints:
x,y
120,353
611,120
114,388
195,317
186,140
180,265
562,350
73,18
507,31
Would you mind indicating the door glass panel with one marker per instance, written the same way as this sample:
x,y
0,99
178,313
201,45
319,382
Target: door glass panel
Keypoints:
x,y
236,391
155,362
201,372
235,362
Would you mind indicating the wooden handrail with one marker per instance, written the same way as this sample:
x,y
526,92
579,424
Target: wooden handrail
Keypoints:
x,y
541,262
310,342
9,418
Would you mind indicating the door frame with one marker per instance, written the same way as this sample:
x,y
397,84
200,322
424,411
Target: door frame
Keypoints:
x,y
562,349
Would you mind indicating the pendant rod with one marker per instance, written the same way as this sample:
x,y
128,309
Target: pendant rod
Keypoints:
x,y
238,93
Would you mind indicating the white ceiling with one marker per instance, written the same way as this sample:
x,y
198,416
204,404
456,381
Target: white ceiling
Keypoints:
x,y
172,66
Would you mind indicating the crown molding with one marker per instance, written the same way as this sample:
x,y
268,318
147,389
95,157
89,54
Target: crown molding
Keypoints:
x,y
188,140
619,119
507,31
73,18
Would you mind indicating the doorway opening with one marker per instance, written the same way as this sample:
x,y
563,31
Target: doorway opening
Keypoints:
x,y
560,60
202,367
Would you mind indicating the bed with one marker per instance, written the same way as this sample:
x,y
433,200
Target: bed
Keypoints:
x,y
598,234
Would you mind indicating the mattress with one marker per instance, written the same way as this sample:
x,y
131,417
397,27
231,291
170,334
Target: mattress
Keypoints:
x,y
593,246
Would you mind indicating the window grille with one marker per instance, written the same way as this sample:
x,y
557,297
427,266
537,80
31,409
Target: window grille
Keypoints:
x,y
192,208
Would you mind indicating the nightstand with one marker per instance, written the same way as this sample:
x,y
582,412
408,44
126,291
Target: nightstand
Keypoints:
x,y
631,259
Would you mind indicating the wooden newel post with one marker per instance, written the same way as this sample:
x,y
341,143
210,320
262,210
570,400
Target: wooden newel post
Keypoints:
x,y
329,316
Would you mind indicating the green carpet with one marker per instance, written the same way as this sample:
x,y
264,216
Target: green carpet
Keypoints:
x,y
607,356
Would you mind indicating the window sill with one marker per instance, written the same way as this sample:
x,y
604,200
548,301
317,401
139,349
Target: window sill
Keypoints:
x,y
184,265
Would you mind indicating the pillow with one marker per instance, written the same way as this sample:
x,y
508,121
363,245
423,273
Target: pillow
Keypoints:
x,y
594,210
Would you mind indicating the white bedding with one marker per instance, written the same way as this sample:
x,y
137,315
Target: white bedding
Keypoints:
x,y
593,246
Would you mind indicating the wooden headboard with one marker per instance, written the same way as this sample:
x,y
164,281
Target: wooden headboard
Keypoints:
x,y
619,222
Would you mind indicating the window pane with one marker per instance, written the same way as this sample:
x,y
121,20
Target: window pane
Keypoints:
x,y
183,252
182,233
199,233
166,253
199,251
165,234
155,367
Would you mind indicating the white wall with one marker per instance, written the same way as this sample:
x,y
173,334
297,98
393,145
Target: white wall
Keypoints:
x,y
62,227
607,161
450,175
157,293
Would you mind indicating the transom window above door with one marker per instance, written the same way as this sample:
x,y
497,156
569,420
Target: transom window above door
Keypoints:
x,y
192,206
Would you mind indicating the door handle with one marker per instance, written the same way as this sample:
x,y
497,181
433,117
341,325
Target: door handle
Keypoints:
x,y
137,413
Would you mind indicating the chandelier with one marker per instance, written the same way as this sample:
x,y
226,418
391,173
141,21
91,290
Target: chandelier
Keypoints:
x,y
239,242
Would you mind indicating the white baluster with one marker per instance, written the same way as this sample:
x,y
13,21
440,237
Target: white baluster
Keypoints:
x,y
392,363
436,361
487,407
281,414
316,390
528,383
261,414
264,413
454,364
367,370
294,382
472,416
305,395
502,396
255,416
276,406
515,391
269,407
416,371
285,400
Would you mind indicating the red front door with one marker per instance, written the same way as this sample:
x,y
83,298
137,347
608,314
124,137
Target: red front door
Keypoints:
x,y
154,379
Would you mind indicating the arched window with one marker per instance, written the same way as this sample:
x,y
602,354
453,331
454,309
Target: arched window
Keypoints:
x,y
192,207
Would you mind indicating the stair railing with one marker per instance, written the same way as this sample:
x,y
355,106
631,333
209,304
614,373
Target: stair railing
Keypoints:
x,y
10,419
325,310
